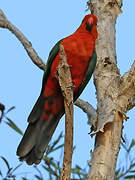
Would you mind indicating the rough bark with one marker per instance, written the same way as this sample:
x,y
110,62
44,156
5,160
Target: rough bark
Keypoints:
x,y
89,110
65,81
115,95
127,89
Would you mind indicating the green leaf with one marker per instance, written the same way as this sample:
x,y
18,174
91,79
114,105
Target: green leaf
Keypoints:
x,y
58,147
82,174
16,167
78,167
6,162
117,172
74,171
1,173
132,165
132,171
9,172
51,148
130,177
38,177
50,170
59,168
55,165
23,178
131,145
11,176
10,109
13,126
51,162
41,177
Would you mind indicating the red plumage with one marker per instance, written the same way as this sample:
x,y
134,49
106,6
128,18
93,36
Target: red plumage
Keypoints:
x,y
49,108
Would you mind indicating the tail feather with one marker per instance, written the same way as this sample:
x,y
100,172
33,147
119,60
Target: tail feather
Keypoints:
x,y
40,129
37,109
36,138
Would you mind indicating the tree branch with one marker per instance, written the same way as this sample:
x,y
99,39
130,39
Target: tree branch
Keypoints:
x,y
5,23
127,89
89,110
65,82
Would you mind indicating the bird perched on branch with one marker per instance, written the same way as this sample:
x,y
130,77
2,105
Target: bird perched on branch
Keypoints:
x,y
49,108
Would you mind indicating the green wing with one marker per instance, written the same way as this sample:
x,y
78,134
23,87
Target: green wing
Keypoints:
x,y
52,55
91,67
39,105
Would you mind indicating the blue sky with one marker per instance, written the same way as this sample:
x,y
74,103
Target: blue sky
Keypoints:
x,y
44,23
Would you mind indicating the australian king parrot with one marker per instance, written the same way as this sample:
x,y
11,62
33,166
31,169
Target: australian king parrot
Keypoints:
x,y
49,108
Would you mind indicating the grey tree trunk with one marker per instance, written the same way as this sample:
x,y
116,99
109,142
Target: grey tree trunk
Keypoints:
x,y
115,94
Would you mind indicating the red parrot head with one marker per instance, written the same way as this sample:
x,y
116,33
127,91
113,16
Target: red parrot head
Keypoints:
x,y
89,25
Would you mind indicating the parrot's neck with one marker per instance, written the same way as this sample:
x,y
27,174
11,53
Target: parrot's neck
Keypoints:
x,y
82,30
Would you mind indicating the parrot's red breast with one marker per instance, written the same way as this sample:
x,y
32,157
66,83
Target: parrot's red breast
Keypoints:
x,y
49,108
79,48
